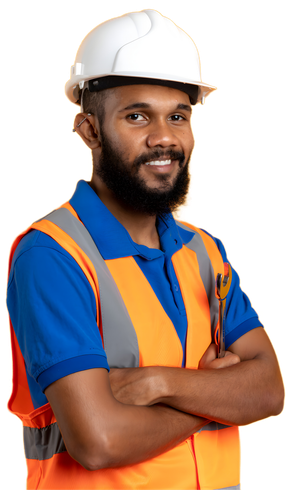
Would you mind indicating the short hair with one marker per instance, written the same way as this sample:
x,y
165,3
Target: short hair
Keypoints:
x,y
94,103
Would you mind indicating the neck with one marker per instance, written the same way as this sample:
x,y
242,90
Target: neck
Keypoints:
x,y
141,227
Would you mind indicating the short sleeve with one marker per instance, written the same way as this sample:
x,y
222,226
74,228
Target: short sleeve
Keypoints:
x,y
53,312
240,316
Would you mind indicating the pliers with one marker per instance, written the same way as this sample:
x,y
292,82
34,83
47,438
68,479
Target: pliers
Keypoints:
x,y
222,286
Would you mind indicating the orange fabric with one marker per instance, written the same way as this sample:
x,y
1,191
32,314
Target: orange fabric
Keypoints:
x,y
162,346
196,303
62,472
224,471
209,459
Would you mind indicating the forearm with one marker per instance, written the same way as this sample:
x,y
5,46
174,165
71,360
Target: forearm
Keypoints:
x,y
100,432
238,395
141,433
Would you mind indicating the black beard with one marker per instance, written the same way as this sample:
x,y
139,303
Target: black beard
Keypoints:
x,y
123,180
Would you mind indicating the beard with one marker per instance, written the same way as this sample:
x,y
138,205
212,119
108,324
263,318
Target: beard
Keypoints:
x,y
123,179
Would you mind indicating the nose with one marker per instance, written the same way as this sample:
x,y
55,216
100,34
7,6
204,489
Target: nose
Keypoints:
x,y
161,134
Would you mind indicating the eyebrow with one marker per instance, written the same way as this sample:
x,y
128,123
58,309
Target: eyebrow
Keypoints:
x,y
144,105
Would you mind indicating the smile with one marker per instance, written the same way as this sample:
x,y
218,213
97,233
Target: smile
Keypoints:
x,y
159,163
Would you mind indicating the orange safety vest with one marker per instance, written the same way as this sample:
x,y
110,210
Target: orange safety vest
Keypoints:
x,y
142,336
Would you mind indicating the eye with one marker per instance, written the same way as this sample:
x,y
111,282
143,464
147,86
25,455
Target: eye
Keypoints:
x,y
136,117
177,117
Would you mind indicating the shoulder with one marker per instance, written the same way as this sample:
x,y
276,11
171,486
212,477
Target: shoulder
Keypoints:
x,y
33,242
211,243
39,260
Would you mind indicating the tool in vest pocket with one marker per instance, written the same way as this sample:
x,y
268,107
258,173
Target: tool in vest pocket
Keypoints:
x,y
222,286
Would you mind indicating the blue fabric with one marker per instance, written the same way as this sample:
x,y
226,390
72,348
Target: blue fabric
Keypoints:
x,y
52,305
240,316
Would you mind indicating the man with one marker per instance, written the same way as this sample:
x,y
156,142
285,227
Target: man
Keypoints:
x,y
111,280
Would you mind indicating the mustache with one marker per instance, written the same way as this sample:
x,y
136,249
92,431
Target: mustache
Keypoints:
x,y
156,154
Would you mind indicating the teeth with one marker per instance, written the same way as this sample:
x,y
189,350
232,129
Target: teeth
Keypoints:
x,y
159,163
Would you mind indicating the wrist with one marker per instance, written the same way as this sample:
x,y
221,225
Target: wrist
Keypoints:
x,y
158,384
192,423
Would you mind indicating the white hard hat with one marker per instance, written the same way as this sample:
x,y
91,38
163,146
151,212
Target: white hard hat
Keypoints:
x,y
137,46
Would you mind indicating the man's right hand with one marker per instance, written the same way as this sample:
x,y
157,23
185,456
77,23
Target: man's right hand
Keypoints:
x,y
210,360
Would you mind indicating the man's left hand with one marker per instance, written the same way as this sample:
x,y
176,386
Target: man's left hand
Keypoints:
x,y
133,386
141,386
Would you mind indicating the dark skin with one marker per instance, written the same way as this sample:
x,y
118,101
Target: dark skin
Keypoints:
x,y
164,122
252,386
156,408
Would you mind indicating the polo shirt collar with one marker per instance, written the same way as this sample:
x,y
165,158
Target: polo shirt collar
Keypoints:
x,y
110,236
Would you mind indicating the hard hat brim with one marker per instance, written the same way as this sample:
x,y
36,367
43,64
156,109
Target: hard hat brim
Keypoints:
x,y
99,84
196,90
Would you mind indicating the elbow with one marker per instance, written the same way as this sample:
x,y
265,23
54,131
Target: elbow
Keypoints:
x,y
92,461
277,400
274,396
94,455
267,404
271,395
274,391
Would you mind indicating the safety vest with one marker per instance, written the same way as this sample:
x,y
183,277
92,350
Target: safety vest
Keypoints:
x,y
134,333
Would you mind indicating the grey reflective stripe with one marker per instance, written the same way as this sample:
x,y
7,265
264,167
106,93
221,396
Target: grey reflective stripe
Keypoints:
x,y
119,336
214,426
120,339
116,322
208,279
43,443
206,273
235,487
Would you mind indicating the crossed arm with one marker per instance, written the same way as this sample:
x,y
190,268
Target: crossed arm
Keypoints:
x,y
156,408
225,390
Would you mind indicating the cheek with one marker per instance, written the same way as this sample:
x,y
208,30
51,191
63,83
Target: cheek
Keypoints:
x,y
186,139
125,140
191,138
189,144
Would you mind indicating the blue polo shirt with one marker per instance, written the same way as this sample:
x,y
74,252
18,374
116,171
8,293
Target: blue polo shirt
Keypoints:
x,y
52,305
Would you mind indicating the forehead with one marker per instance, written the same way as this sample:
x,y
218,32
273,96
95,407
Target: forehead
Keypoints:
x,y
155,96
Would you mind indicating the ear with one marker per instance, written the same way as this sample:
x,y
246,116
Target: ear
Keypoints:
x,y
87,127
